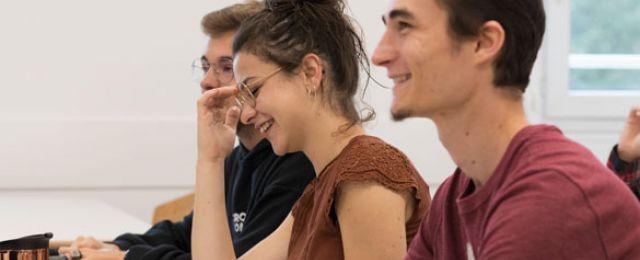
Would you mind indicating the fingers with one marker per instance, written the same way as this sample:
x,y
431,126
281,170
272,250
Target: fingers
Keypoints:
x,y
88,242
64,250
213,107
81,242
88,253
629,142
233,116
78,240
70,252
216,98
634,115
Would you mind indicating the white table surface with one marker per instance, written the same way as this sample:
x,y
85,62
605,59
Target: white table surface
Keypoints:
x,y
66,218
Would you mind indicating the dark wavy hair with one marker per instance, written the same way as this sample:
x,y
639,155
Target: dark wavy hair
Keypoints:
x,y
287,30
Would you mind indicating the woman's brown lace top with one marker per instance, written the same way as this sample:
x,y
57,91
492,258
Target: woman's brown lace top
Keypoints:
x,y
316,231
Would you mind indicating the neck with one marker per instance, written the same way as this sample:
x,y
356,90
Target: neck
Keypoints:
x,y
327,139
248,137
477,134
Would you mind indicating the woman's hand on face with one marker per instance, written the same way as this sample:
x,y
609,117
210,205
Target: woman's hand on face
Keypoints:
x,y
217,123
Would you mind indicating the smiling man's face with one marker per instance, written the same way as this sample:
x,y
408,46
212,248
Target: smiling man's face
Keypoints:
x,y
430,71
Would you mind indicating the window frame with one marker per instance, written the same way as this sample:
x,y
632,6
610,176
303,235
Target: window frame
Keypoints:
x,y
560,101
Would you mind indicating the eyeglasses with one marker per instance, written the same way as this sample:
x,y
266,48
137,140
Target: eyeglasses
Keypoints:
x,y
222,70
247,91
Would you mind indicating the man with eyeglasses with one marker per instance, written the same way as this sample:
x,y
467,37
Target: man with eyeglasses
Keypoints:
x,y
260,187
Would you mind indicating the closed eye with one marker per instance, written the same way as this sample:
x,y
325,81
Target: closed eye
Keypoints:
x,y
252,87
255,90
403,26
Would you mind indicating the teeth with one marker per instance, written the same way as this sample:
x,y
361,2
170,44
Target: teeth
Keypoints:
x,y
264,127
400,79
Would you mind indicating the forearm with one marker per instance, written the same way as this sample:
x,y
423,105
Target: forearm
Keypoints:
x,y
210,235
625,169
164,232
161,252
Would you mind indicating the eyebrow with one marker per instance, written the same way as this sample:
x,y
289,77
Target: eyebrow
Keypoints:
x,y
225,59
398,13
221,59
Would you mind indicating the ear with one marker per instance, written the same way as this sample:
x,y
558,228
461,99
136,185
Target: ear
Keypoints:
x,y
489,42
312,71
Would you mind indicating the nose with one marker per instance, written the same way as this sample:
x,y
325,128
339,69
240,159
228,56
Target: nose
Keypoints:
x,y
209,81
384,52
247,115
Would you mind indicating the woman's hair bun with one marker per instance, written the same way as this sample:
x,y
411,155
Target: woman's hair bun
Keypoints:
x,y
290,5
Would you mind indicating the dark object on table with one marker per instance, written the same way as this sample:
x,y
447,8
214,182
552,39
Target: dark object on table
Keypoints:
x,y
26,248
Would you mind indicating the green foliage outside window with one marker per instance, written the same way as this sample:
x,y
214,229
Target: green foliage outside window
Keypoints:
x,y
605,27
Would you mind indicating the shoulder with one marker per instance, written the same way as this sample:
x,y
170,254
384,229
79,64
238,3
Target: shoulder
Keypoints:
x,y
547,143
546,150
554,194
368,157
551,177
552,206
371,166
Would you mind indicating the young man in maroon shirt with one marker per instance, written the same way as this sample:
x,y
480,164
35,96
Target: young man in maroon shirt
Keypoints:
x,y
521,191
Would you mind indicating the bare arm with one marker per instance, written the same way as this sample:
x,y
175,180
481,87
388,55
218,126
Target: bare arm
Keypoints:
x,y
210,236
372,220
91,248
275,246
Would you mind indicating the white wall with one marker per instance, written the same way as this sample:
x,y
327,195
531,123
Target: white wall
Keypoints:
x,y
96,100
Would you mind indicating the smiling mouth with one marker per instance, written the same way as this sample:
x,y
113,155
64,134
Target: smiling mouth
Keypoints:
x,y
401,78
265,126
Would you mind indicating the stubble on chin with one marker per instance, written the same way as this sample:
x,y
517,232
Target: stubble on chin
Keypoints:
x,y
399,116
